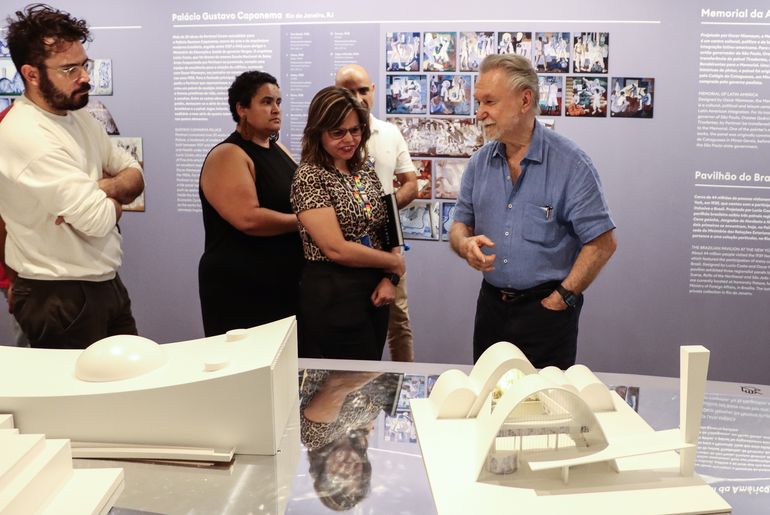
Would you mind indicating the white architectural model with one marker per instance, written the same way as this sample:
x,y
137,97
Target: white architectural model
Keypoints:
x,y
36,477
128,397
508,436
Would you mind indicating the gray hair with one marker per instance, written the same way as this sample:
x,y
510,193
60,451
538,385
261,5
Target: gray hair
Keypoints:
x,y
521,74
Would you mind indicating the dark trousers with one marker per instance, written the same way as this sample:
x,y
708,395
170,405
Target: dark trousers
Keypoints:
x,y
230,304
546,337
71,314
337,319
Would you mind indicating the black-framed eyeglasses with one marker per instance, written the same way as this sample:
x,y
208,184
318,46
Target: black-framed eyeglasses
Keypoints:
x,y
75,71
340,133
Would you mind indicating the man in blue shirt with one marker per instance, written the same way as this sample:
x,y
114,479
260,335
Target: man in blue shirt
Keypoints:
x,y
532,217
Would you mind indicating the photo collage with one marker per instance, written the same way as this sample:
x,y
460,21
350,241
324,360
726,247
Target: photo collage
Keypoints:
x,y
429,85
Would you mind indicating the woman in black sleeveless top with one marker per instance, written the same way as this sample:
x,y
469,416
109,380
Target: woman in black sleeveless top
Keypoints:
x,y
249,272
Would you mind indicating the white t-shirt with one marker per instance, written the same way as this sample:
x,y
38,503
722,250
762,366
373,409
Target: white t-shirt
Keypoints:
x,y
387,148
49,167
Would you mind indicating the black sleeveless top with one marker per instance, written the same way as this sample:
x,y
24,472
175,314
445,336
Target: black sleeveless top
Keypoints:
x,y
250,280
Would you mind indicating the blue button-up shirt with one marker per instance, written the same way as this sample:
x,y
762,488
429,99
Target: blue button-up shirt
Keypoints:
x,y
539,223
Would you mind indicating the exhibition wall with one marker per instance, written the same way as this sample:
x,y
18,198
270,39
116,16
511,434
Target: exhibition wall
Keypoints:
x,y
683,161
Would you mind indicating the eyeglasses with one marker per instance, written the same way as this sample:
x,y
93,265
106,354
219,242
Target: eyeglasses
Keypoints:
x,y
340,133
75,71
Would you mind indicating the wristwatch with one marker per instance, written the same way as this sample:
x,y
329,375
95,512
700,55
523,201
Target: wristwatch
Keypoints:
x,y
394,278
570,298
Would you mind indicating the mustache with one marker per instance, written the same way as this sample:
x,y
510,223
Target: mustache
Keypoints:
x,y
84,88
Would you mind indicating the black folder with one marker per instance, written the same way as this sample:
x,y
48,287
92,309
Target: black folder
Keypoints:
x,y
394,236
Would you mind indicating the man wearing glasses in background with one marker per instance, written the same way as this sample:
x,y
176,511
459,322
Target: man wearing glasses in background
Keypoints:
x,y
62,184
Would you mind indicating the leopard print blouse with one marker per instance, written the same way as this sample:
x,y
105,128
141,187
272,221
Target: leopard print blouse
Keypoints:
x,y
357,412
316,187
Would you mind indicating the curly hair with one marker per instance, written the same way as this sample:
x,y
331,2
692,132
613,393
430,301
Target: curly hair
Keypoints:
x,y
243,89
39,30
327,111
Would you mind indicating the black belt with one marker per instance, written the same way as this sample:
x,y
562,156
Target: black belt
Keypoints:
x,y
513,295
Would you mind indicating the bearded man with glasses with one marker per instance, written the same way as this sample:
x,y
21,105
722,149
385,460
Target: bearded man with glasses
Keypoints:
x,y
62,184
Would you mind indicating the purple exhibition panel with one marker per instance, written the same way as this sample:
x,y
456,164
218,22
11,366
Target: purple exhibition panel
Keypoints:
x,y
670,101
310,56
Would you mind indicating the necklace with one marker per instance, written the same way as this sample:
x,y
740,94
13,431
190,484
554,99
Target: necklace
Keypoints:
x,y
359,193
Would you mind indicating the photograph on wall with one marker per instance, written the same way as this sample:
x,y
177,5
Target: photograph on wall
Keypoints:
x,y
412,387
590,52
449,174
10,79
98,110
630,394
450,94
101,77
473,48
439,51
632,97
431,382
406,94
399,428
550,94
515,43
454,137
586,96
402,51
420,220
412,131
5,102
550,53
4,50
423,170
442,137
447,215
424,173
134,147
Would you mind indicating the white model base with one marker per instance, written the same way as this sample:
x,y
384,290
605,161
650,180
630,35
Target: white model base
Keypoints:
x,y
635,485
36,477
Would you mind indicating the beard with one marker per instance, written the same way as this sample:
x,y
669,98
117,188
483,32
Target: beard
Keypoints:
x,y
491,133
59,100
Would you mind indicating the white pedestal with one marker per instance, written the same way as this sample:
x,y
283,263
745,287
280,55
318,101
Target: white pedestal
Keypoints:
x,y
642,484
36,477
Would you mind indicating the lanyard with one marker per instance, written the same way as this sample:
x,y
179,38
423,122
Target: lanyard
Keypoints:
x,y
359,193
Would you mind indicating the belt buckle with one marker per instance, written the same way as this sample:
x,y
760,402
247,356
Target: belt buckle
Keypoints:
x,y
510,296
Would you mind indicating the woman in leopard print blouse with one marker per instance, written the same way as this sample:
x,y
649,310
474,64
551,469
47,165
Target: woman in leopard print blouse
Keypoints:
x,y
347,282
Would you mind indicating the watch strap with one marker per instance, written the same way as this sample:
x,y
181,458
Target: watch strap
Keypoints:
x,y
569,297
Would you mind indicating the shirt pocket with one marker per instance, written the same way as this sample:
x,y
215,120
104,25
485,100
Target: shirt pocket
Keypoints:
x,y
540,225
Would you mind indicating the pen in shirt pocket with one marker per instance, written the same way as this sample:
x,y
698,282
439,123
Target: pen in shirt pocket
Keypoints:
x,y
548,209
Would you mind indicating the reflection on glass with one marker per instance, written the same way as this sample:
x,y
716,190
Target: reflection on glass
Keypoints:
x,y
338,410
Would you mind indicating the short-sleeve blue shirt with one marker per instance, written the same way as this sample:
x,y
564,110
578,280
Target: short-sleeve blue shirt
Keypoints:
x,y
540,223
